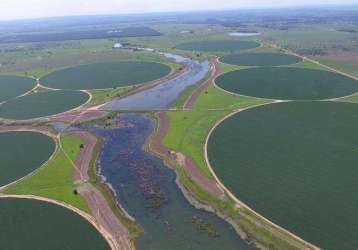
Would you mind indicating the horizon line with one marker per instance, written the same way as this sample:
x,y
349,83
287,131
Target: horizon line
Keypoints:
x,y
278,7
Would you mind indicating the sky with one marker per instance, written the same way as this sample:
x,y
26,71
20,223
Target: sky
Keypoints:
x,y
22,9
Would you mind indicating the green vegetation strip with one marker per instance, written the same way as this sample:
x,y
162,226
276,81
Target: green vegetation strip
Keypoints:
x,y
55,179
14,86
287,83
103,95
296,157
218,45
21,153
261,59
30,224
42,104
188,129
105,75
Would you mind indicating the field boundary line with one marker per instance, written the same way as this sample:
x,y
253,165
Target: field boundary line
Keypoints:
x,y
43,165
313,61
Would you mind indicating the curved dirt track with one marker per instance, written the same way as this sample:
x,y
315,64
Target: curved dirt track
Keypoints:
x,y
84,215
102,213
188,164
215,72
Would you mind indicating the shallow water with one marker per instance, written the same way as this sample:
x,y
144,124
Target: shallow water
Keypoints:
x,y
243,34
161,96
146,188
176,58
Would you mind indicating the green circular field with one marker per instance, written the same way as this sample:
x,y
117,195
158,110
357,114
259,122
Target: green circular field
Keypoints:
x,y
37,225
42,104
105,75
13,86
287,83
296,164
21,153
218,45
260,59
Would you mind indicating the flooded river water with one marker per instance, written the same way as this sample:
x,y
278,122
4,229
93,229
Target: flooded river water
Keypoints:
x,y
161,96
146,188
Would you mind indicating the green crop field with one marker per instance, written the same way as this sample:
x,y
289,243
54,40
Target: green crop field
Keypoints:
x,y
55,179
188,129
295,163
287,83
218,45
105,75
30,224
42,104
260,59
14,86
21,153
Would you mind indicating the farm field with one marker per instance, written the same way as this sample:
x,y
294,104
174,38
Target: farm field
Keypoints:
x,y
297,157
287,83
42,104
289,152
105,75
32,224
55,179
21,153
78,35
14,86
260,59
218,45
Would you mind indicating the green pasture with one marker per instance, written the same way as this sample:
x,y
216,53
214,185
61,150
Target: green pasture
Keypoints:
x,y
346,66
295,163
55,179
103,95
188,129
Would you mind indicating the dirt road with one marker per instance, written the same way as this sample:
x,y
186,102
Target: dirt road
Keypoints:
x,y
103,215
209,185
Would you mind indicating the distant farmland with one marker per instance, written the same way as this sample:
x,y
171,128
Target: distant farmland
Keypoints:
x,y
218,45
80,35
261,59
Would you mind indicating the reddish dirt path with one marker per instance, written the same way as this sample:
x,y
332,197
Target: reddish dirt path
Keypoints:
x,y
105,217
215,72
84,158
78,115
210,186
98,205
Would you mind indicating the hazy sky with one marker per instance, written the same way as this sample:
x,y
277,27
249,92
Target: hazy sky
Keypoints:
x,y
18,9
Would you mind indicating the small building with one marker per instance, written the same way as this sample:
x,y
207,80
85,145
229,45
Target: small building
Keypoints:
x,y
117,46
